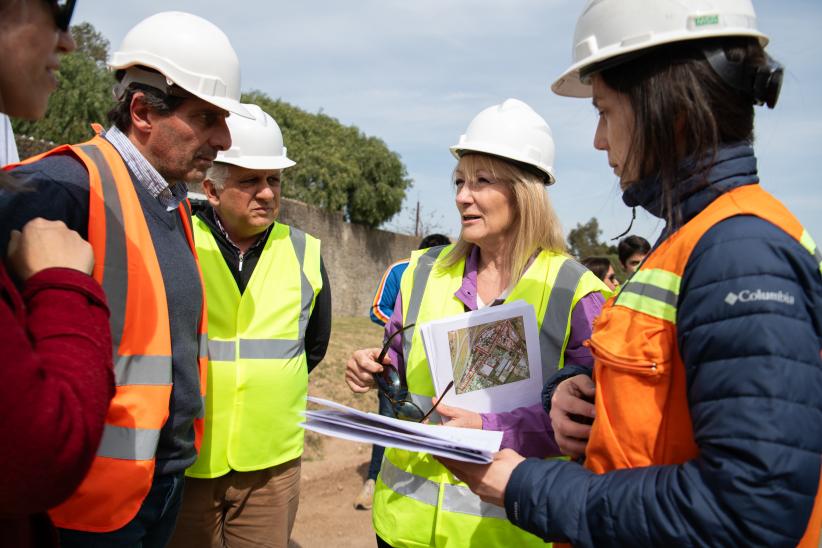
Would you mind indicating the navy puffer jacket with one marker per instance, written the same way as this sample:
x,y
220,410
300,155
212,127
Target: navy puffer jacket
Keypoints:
x,y
754,377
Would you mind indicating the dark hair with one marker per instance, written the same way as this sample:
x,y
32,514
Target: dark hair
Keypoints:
x,y
682,108
631,245
162,103
598,265
434,240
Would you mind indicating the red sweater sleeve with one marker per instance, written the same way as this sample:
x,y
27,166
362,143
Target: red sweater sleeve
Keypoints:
x,y
56,384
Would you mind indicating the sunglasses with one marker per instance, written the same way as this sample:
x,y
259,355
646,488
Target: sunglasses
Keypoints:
x,y
62,10
392,387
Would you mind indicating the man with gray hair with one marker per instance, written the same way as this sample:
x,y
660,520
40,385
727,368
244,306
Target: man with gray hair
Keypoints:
x,y
269,321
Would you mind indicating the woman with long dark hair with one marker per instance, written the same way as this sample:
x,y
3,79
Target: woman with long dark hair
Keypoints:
x,y
706,390
56,376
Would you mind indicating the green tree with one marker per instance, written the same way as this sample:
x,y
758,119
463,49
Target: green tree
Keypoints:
x,y
84,95
584,241
338,167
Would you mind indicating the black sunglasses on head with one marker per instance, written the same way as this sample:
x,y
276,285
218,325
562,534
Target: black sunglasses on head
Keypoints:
x,y
62,10
392,387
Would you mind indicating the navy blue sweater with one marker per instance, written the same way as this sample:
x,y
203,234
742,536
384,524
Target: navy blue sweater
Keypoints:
x,y
57,188
754,381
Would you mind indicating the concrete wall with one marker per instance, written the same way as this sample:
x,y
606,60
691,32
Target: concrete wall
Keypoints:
x,y
355,256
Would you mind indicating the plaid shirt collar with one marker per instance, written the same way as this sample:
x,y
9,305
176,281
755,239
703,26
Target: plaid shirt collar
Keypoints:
x,y
169,196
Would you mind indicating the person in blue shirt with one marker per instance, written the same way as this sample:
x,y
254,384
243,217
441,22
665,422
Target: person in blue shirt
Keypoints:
x,y
381,309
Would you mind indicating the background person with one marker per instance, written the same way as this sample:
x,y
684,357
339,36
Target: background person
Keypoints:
x,y
56,377
124,191
269,322
632,250
602,269
381,309
511,247
707,427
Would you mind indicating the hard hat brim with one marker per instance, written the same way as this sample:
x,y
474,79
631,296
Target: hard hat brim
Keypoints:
x,y
231,105
258,162
494,150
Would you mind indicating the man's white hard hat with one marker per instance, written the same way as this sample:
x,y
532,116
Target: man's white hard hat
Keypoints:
x,y
256,143
186,50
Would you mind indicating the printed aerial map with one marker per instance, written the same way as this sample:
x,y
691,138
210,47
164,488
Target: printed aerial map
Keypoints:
x,y
488,355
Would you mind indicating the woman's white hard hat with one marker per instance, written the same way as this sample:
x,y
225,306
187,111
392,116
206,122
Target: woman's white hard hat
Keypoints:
x,y
511,130
612,28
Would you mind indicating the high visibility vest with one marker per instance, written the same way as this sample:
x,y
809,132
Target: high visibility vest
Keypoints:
x,y
258,375
417,501
643,418
125,264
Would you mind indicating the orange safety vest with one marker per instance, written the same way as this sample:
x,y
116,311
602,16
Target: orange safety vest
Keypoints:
x,y
642,413
125,264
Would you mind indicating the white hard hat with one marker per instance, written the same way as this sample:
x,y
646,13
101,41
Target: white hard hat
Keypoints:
x,y
514,131
188,51
255,143
610,28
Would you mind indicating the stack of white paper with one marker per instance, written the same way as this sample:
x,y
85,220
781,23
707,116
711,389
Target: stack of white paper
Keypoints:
x,y
492,356
344,422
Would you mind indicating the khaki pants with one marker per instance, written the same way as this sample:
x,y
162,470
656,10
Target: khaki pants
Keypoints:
x,y
240,509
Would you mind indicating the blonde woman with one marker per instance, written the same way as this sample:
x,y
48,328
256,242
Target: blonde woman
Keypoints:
x,y
511,247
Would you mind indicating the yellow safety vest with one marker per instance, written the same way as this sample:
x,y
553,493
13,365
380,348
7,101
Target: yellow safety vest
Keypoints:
x,y
257,371
418,502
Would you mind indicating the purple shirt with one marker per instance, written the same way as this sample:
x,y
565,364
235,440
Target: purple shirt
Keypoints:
x,y
527,430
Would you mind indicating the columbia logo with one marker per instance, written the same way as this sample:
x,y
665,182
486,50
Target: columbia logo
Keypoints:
x,y
747,295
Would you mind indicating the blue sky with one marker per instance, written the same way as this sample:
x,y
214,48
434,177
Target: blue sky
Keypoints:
x,y
414,73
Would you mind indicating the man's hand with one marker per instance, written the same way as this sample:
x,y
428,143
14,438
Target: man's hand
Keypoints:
x,y
572,397
360,369
488,481
46,244
456,416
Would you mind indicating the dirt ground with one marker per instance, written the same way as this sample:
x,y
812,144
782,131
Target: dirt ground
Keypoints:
x,y
326,516
333,470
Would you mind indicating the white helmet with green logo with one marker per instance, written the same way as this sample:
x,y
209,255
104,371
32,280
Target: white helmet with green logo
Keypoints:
x,y
612,28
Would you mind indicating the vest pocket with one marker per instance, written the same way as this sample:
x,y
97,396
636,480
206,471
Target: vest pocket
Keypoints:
x,y
632,373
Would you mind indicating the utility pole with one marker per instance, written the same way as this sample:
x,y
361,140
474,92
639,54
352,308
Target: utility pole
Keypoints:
x,y
417,222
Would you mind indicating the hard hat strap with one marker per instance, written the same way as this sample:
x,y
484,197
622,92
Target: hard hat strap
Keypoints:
x,y
151,78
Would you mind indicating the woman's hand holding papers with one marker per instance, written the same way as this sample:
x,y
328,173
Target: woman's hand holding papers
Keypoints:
x,y
456,416
488,481
360,369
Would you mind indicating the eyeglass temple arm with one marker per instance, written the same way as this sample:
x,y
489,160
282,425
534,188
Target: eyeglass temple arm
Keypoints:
x,y
385,346
444,392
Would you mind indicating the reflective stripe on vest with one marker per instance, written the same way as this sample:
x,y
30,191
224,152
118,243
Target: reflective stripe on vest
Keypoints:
x,y
653,291
421,273
455,498
128,443
557,315
808,243
257,352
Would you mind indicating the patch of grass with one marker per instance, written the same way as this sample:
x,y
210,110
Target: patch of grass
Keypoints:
x,y
328,379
